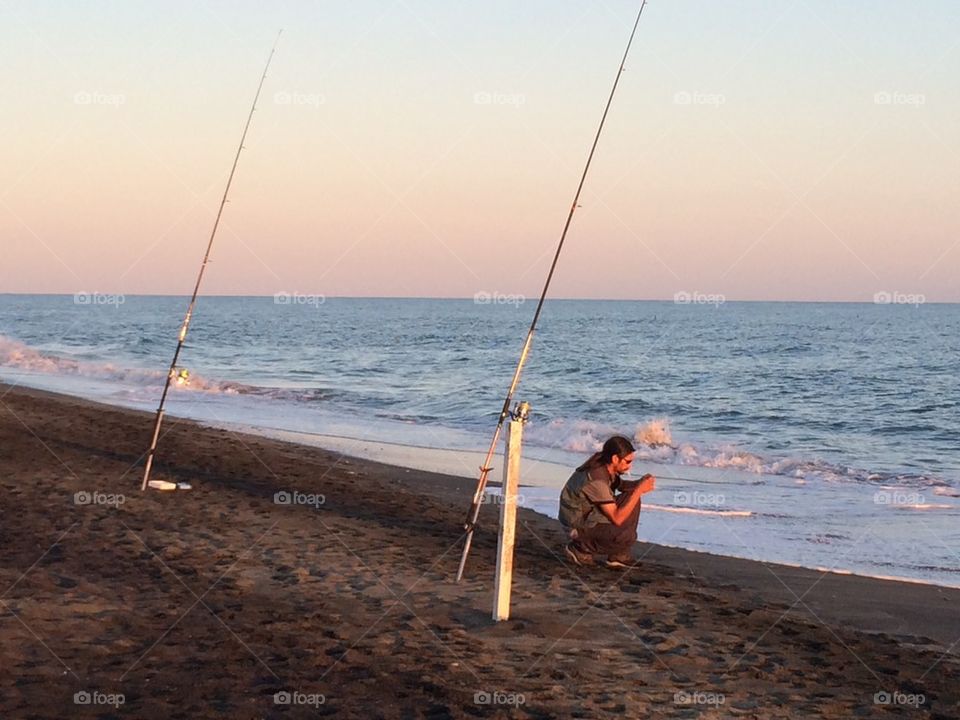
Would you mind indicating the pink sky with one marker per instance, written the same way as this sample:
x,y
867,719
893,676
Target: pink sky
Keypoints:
x,y
775,151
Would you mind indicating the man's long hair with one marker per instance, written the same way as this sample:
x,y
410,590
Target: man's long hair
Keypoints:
x,y
617,445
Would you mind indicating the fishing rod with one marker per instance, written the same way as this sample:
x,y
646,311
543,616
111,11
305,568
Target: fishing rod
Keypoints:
x,y
203,266
471,521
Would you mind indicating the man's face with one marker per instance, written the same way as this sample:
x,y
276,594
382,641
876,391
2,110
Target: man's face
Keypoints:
x,y
622,465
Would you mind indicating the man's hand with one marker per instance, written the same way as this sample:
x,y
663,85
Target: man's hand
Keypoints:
x,y
647,483
644,485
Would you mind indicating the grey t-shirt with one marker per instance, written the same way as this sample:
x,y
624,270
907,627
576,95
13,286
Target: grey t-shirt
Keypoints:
x,y
581,495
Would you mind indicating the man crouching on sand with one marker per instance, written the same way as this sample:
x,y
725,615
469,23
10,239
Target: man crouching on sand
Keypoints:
x,y
597,522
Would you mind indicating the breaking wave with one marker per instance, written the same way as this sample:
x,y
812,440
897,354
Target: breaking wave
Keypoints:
x,y
16,354
653,438
655,443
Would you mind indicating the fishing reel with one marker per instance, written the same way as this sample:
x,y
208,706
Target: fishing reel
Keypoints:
x,y
521,412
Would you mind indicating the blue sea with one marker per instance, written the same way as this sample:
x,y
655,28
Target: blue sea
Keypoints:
x,y
815,434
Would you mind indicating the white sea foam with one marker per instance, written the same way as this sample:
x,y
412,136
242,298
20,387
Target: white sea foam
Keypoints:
x,y
18,355
946,491
925,506
654,433
653,437
697,511
656,443
580,436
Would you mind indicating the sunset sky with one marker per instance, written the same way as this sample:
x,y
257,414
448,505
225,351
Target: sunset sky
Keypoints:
x,y
784,150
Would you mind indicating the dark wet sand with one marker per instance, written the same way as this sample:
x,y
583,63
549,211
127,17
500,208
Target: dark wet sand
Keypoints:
x,y
208,603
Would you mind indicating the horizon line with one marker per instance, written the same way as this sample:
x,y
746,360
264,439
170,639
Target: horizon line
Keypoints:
x,y
498,298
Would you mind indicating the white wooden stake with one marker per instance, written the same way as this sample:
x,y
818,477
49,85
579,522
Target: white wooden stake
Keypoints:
x,y
508,518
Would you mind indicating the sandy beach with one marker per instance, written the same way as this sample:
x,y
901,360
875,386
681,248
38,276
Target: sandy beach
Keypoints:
x,y
223,602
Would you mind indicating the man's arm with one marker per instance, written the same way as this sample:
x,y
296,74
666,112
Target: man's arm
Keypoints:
x,y
618,514
626,485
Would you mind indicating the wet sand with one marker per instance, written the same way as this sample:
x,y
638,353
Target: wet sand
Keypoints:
x,y
222,602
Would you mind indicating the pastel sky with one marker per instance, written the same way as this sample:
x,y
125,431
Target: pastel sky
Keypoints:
x,y
786,150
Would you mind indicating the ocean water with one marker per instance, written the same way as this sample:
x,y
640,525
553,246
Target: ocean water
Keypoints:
x,y
824,435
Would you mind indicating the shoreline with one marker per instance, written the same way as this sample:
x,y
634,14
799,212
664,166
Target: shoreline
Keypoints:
x,y
543,478
462,487
354,600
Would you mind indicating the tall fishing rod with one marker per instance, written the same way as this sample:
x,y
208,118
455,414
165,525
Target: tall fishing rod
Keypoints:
x,y
471,521
203,266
